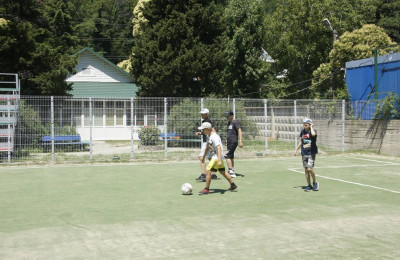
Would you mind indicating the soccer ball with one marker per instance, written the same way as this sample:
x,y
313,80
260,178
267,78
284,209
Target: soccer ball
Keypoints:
x,y
187,189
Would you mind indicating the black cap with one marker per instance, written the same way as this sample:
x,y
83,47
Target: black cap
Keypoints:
x,y
228,113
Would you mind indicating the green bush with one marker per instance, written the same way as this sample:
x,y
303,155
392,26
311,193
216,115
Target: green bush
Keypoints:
x,y
388,108
149,135
185,117
30,126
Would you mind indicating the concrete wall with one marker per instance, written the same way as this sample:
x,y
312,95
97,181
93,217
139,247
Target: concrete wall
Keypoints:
x,y
374,135
330,134
377,135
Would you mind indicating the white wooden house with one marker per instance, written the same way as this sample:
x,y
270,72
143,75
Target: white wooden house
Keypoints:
x,y
110,89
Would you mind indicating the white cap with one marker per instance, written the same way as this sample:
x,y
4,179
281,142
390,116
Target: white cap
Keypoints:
x,y
205,125
307,121
204,111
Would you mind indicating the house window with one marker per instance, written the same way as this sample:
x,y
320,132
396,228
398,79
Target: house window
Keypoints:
x,y
110,113
119,116
104,113
139,116
76,113
119,112
98,113
86,113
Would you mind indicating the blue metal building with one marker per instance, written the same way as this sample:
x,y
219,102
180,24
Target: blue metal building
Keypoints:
x,y
360,80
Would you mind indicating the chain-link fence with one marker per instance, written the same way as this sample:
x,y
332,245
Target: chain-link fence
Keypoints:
x,y
65,129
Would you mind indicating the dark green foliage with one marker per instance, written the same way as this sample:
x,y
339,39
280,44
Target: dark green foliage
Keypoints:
x,y
179,51
185,118
36,47
30,126
109,29
298,40
41,36
244,71
186,48
388,17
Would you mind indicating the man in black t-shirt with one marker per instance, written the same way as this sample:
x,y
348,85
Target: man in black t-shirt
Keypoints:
x,y
233,139
204,142
309,149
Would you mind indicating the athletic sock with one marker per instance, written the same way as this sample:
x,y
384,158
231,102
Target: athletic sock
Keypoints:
x,y
233,184
207,188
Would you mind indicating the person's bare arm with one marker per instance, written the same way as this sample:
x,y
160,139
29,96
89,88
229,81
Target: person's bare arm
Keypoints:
x,y
298,147
205,152
313,133
219,155
240,137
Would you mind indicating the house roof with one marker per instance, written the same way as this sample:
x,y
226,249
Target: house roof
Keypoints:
x,y
95,86
102,58
103,90
391,57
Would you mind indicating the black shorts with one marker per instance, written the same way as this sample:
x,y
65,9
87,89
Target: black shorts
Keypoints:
x,y
230,154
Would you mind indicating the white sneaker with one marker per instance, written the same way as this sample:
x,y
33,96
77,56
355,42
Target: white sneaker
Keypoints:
x,y
232,174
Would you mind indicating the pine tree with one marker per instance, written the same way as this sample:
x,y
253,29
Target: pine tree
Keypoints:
x,y
178,51
38,54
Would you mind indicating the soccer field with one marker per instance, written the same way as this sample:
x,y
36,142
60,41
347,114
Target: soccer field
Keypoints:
x,y
136,211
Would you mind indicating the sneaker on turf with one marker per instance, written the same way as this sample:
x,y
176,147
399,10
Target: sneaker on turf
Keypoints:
x,y
202,177
204,192
232,188
315,186
308,188
232,174
214,177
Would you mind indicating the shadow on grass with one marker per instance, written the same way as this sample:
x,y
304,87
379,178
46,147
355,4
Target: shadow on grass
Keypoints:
x,y
220,191
302,187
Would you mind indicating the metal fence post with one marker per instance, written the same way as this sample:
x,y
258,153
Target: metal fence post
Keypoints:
x,y
52,128
343,122
295,124
91,129
132,144
165,128
266,126
9,130
234,108
201,108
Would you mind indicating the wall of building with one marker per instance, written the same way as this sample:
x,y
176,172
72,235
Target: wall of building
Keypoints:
x,y
109,133
360,81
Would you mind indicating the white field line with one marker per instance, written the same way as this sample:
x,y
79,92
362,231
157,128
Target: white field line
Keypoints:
x,y
355,183
354,165
358,158
348,166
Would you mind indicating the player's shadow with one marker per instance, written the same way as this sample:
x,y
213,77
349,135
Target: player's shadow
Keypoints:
x,y
239,175
221,191
302,187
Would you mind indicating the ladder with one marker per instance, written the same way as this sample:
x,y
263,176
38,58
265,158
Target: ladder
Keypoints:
x,y
9,101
